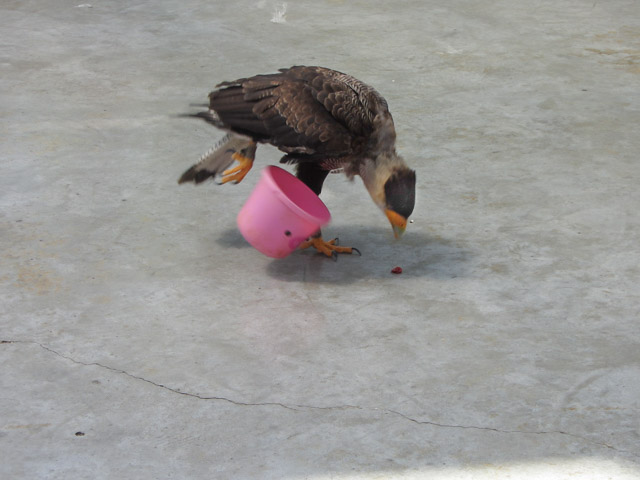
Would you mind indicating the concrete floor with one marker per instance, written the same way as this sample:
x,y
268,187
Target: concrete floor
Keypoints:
x,y
142,338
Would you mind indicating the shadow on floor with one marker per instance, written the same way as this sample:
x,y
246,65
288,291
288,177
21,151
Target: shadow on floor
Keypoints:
x,y
419,254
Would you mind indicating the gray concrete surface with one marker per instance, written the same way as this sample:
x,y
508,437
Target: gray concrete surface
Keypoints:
x,y
142,338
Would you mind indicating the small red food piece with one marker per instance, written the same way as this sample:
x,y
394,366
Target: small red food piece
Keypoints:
x,y
396,270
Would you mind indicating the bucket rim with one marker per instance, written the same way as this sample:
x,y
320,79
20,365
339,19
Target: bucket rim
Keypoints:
x,y
271,170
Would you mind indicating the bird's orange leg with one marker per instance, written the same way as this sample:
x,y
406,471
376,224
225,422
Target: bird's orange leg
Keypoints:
x,y
329,248
237,173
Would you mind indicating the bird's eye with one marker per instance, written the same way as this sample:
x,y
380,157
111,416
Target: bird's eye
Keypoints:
x,y
287,233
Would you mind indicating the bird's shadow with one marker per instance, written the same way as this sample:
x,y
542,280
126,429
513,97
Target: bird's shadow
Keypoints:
x,y
418,253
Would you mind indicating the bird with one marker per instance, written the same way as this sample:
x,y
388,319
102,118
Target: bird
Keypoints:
x,y
323,121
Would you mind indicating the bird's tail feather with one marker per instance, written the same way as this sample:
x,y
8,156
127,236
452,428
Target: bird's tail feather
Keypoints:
x,y
208,116
219,158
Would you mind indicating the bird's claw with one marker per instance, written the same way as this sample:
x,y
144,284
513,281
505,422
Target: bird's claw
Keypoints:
x,y
329,248
237,173
336,242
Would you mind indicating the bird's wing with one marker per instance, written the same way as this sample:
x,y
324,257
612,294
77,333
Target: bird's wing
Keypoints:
x,y
357,105
349,101
304,111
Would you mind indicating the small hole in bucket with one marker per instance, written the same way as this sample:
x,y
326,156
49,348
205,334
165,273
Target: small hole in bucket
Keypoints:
x,y
287,233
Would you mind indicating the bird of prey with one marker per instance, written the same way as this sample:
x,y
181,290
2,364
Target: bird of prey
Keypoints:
x,y
323,120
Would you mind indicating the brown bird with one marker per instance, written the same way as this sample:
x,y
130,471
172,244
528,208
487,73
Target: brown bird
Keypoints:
x,y
323,120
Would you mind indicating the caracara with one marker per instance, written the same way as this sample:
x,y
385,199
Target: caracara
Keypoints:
x,y
324,121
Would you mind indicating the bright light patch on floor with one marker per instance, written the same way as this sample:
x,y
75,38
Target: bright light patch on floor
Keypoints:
x,y
581,469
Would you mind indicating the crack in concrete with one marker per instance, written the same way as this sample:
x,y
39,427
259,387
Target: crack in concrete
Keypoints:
x,y
301,407
159,385
527,432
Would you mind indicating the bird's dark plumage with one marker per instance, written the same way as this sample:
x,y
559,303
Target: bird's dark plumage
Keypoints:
x,y
310,113
400,198
322,120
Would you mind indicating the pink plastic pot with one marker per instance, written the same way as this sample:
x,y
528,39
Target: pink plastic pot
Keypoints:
x,y
281,213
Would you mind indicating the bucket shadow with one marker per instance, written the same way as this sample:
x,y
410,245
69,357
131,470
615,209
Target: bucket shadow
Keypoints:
x,y
232,238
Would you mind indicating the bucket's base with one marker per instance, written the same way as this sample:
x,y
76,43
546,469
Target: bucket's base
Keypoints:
x,y
274,246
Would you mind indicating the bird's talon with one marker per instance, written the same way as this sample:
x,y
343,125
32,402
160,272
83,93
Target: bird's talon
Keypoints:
x,y
329,248
237,173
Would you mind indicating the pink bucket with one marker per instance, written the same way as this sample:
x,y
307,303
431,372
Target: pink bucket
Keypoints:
x,y
281,213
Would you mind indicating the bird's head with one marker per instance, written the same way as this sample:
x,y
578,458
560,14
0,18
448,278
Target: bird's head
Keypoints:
x,y
392,186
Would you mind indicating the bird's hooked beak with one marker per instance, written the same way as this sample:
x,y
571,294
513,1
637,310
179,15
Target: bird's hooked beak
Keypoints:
x,y
398,222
